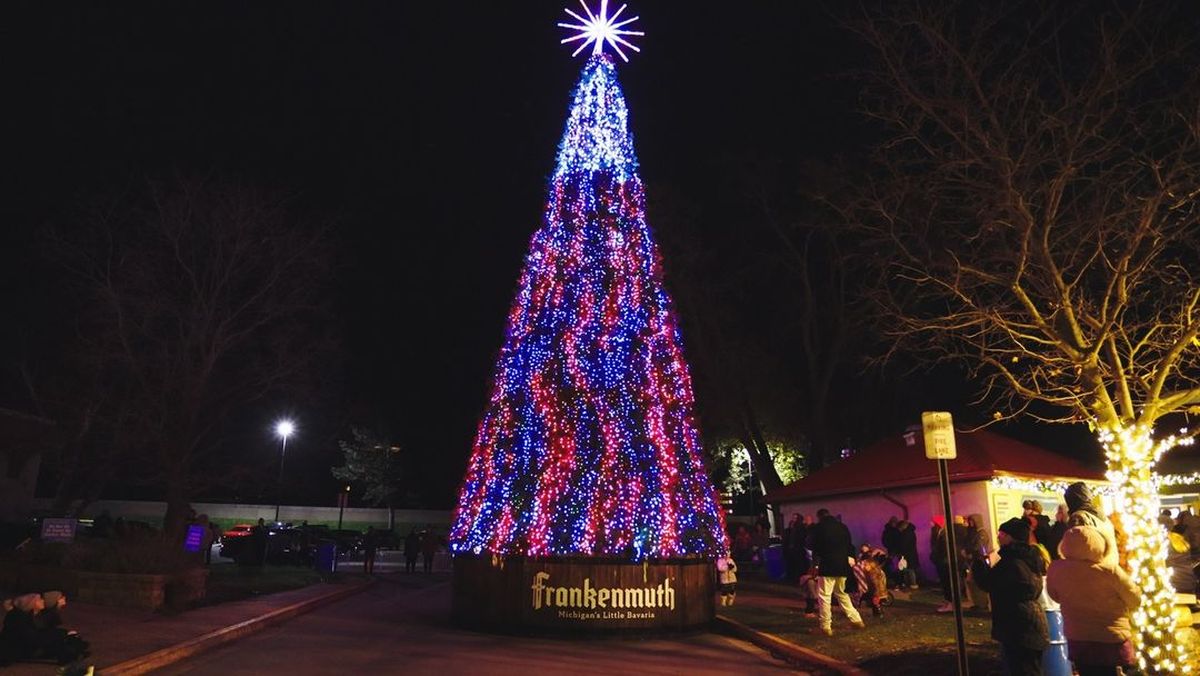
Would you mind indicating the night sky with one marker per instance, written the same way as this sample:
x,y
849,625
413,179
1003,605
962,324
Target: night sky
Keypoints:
x,y
425,131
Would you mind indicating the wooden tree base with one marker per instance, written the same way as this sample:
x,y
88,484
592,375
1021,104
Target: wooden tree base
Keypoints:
x,y
554,595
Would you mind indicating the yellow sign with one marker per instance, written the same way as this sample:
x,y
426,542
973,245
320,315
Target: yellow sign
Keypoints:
x,y
939,435
588,597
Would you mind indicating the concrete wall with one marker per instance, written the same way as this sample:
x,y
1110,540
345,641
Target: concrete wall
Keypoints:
x,y
228,514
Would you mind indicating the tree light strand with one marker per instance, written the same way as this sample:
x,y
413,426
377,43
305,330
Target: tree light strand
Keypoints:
x,y
1132,453
588,444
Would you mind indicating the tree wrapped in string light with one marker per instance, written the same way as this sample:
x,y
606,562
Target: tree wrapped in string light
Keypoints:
x,y
588,445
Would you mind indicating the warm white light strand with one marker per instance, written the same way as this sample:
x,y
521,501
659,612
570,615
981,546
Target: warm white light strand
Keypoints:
x,y
1132,454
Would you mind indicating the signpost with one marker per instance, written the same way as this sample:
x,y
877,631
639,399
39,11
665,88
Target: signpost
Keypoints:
x,y
938,427
195,538
342,498
58,530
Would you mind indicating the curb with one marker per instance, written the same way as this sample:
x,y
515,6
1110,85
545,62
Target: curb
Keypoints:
x,y
786,649
171,654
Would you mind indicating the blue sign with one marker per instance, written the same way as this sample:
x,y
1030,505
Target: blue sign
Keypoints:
x,y
58,530
195,538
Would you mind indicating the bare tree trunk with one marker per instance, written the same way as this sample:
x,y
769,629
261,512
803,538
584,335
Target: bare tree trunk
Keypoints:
x,y
764,464
178,507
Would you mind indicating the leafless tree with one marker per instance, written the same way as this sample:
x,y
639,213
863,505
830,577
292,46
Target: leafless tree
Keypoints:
x,y
199,298
1034,216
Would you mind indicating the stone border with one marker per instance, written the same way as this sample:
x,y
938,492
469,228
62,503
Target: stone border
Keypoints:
x,y
171,654
786,649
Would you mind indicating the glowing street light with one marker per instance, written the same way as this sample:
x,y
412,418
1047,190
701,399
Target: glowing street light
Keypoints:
x,y
283,429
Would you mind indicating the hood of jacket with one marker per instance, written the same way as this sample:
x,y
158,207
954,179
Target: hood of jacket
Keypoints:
x,y
1026,553
1083,543
1078,496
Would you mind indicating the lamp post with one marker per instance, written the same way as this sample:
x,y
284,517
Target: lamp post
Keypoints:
x,y
283,429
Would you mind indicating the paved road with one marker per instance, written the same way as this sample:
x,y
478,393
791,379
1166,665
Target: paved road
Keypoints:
x,y
402,626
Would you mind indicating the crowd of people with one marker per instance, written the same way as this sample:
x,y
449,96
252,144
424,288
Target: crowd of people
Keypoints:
x,y
33,629
1075,563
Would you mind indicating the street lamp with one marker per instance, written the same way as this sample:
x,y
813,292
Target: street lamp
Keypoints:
x,y
283,429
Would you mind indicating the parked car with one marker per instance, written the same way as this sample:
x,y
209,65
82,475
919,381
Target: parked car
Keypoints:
x,y
389,539
285,546
348,541
241,530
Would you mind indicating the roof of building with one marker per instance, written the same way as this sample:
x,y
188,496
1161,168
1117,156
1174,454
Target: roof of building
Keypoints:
x,y
894,463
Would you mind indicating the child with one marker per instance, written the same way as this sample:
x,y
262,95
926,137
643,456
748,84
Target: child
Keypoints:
x,y
872,581
727,576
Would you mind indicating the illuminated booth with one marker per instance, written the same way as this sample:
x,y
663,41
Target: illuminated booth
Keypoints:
x,y
992,476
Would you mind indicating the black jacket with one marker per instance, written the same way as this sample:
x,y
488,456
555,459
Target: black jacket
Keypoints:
x,y
21,639
891,539
831,547
1015,584
1041,530
908,546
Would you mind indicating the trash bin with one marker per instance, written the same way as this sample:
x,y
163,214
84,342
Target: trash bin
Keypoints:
x,y
773,560
1055,661
325,558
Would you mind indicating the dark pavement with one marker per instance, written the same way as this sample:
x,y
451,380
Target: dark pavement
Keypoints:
x,y
402,626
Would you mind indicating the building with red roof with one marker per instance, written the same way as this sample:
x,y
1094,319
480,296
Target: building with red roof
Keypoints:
x,y
991,477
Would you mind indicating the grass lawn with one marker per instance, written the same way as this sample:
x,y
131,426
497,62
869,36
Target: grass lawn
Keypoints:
x,y
231,582
909,639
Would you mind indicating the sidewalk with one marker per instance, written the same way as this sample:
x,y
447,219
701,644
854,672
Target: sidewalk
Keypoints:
x,y
120,634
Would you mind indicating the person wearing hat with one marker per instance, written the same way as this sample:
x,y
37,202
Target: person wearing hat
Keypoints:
x,y
1015,585
51,616
1096,601
941,562
1082,511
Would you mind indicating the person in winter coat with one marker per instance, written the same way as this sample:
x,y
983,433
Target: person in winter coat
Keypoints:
x,y
872,581
1040,523
908,554
51,617
1056,531
1180,561
429,547
937,553
1096,601
24,637
976,547
1015,585
834,554
727,577
412,550
1082,511
794,554
891,537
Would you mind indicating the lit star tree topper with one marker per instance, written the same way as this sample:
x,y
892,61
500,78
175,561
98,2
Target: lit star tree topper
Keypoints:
x,y
599,29
588,445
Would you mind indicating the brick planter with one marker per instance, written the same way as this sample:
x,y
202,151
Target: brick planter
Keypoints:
x,y
145,591
148,592
187,587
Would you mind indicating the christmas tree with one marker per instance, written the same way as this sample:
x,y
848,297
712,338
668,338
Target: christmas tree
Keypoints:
x,y
588,444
